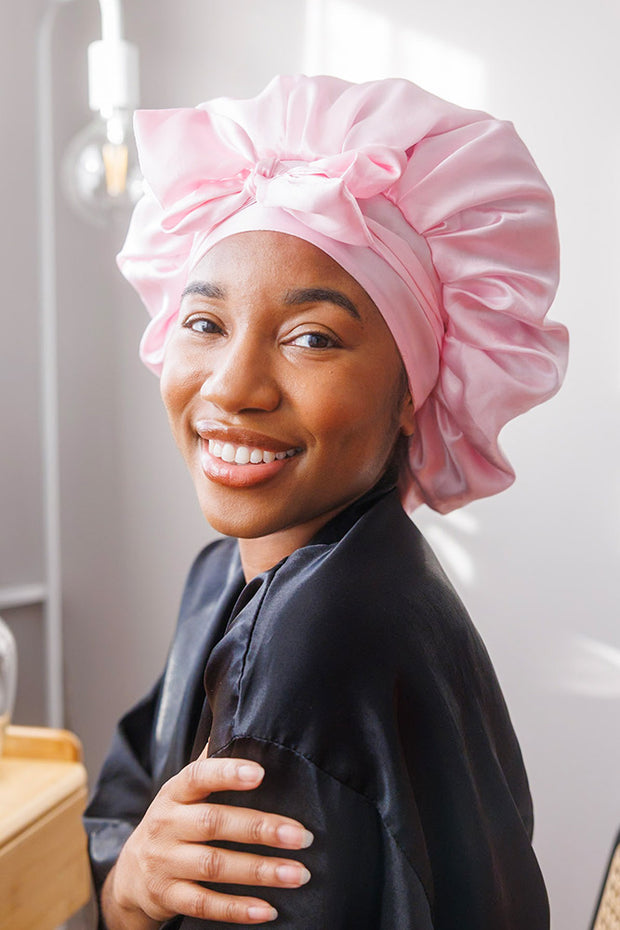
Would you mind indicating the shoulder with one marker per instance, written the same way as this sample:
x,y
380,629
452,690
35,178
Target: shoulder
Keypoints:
x,y
379,584
359,622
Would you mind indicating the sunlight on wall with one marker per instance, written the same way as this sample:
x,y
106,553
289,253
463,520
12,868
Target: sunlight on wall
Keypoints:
x,y
448,537
585,666
344,39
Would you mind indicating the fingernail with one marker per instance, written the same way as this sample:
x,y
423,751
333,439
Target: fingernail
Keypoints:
x,y
294,836
293,874
249,772
262,913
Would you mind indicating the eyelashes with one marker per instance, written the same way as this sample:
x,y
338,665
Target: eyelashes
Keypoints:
x,y
314,340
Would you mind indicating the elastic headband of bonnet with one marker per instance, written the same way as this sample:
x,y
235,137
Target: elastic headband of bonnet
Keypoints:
x,y
438,212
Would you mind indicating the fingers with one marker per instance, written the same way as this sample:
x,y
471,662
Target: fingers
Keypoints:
x,y
200,778
205,822
202,822
194,901
202,863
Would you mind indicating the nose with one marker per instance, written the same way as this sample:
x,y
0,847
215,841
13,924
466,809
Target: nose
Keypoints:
x,y
242,377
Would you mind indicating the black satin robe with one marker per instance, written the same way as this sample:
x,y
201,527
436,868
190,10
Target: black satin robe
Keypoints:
x,y
352,672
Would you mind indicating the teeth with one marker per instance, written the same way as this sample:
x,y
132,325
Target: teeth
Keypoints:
x,y
228,452
244,455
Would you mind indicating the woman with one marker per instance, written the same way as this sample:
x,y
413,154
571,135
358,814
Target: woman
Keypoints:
x,y
348,287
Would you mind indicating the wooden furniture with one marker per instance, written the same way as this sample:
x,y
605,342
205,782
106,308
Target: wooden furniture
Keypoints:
x,y
44,871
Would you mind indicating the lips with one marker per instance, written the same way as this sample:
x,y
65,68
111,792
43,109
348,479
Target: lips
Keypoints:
x,y
241,458
242,446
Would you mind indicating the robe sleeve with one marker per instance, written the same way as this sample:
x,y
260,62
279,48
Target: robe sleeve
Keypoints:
x,y
124,789
152,741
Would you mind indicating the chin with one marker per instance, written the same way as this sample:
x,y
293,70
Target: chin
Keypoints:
x,y
240,519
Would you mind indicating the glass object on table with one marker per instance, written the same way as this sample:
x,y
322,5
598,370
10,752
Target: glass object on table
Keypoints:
x,y
8,677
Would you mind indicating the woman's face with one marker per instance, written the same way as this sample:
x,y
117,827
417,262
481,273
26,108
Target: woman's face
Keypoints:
x,y
283,387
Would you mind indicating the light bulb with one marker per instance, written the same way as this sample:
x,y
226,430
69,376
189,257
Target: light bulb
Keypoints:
x,y
100,170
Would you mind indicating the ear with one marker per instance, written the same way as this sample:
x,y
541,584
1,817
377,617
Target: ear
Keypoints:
x,y
407,415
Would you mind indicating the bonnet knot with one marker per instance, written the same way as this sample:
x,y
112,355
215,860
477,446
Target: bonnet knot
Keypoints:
x,y
264,171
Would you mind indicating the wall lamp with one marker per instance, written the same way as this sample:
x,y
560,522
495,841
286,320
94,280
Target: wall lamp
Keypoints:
x,y
100,171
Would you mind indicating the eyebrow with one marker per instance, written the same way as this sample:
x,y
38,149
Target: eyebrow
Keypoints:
x,y
294,298
316,295
204,289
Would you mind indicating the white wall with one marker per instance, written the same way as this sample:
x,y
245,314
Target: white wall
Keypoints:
x,y
537,566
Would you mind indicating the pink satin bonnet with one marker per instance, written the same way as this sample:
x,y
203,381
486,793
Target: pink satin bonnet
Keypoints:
x,y
439,212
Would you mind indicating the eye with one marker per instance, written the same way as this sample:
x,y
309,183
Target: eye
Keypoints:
x,y
202,324
314,341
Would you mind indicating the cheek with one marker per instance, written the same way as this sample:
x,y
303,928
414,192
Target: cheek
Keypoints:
x,y
169,391
178,384
356,423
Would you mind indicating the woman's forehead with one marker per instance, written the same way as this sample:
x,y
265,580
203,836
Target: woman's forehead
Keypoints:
x,y
278,261
263,246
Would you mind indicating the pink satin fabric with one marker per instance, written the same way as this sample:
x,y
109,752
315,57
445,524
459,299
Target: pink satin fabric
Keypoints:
x,y
438,212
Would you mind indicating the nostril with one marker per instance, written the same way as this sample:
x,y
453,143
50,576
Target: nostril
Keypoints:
x,y
240,386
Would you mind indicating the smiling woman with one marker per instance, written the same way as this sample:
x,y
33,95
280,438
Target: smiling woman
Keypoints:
x,y
348,287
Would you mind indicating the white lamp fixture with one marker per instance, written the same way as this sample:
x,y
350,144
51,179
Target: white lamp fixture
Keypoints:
x,y
100,171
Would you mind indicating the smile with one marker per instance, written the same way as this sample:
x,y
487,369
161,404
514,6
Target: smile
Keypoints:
x,y
246,455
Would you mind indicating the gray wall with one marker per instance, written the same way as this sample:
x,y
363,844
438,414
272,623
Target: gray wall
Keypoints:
x,y
537,565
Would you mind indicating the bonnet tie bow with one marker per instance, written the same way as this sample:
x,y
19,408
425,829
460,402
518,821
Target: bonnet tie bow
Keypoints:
x,y
322,193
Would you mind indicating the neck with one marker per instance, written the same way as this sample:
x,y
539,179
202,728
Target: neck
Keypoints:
x,y
260,554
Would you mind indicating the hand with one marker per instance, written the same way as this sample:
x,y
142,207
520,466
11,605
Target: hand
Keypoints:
x,y
157,873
